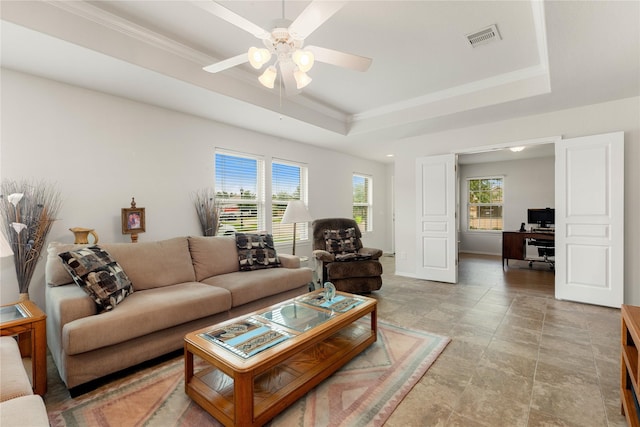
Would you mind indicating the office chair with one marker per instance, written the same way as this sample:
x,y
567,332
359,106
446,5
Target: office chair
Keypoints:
x,y
546,249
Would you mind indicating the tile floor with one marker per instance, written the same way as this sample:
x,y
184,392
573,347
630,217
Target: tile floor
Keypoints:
x,y
518,357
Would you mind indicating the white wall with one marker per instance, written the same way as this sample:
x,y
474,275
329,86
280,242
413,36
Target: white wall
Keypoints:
x,y
528,183
101,150
620,115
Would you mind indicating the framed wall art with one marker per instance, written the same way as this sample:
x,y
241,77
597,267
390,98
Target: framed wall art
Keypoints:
x,y
133,219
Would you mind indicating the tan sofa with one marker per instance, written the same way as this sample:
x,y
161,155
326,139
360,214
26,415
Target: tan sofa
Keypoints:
x,y
180,284
18,405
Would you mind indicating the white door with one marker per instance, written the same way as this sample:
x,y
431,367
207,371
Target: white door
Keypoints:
x,y
437,244
590,219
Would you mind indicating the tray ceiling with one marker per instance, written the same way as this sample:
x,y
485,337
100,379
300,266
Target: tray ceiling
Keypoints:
x,y
425,76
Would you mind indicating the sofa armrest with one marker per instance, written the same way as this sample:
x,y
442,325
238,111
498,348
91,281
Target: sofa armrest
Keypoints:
x,y
289,261
323,256
14,381
68,303
375,253
64,305
24,411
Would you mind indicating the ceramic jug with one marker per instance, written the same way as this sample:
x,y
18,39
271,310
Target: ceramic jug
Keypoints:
x,y
82,235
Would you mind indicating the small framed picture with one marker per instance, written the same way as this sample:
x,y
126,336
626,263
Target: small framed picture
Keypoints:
x,y
133,220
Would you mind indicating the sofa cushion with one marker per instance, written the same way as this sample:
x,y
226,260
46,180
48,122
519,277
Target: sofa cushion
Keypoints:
x,y
144,312
247,286
55,272
154,264
148,264
95,271
256,251
340,241
213,255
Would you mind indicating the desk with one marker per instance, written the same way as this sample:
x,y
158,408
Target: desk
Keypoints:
x,y
27,321
514,243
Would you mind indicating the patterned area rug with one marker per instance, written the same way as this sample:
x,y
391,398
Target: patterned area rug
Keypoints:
x,y
363,393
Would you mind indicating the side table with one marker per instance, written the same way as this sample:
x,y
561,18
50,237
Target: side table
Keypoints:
x,y
27,321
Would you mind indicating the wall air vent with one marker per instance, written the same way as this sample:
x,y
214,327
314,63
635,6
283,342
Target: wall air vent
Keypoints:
x,y
484,36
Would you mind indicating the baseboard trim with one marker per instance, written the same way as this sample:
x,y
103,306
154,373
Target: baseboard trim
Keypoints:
x,y
405,274
479,253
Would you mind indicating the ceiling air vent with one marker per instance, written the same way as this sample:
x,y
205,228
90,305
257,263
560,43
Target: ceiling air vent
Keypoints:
x,y
484,36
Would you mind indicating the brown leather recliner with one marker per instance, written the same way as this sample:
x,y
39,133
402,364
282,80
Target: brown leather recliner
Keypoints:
x,y
345,263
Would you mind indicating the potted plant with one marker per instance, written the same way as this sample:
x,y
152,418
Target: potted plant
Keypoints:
x,y
28,211
208,211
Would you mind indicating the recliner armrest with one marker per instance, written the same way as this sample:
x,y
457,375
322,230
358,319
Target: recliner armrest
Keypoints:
x,y
323,256
375,253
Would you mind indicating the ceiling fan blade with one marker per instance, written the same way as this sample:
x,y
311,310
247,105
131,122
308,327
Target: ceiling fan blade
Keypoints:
x,y
312,17
232,18
289,82
227,63
341,59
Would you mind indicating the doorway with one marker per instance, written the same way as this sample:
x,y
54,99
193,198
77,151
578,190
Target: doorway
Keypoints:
x,y
528,181
589,220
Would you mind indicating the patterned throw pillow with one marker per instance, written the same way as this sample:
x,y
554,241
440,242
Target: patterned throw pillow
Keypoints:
x,y
93,269
256,251
340,241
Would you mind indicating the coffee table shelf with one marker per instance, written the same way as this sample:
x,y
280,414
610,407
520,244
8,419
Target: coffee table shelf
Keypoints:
x,y
250,391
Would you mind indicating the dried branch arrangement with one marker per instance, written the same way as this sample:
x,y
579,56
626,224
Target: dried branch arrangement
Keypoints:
x,y
28,211
208,211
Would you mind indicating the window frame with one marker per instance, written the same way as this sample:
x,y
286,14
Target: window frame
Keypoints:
x,y
259,200
469,204
368,179
286,230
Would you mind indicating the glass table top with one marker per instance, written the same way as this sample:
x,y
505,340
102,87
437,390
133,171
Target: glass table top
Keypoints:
x,y
296,316
11,312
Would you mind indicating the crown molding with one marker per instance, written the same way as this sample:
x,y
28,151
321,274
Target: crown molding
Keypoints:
x,y
102,17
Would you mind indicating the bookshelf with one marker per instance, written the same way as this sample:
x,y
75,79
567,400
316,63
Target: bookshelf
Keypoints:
x,y
629,367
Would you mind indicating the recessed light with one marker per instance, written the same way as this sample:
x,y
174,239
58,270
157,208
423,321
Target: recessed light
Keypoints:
x,y
516,149
389,155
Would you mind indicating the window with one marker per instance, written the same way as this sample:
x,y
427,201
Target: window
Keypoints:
x,y
362,202
240,191
485,203
288,182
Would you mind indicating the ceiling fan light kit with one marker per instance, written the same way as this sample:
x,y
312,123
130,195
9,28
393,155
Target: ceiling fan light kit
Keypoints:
x,y
286,50
286,44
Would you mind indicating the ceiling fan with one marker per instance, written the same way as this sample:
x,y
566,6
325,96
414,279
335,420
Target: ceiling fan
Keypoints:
x,y
286,43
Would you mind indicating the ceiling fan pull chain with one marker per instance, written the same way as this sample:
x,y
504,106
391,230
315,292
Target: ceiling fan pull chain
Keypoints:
x,y
280,88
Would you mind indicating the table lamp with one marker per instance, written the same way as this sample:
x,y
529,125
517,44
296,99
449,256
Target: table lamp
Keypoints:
x,y
296,212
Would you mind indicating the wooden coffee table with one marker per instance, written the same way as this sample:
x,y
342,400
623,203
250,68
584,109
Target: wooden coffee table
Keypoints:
x,y
255,366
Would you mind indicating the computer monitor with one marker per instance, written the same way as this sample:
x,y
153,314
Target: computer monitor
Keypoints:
x,y
543,217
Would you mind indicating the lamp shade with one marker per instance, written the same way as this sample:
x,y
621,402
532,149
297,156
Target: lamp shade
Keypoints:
x,y
268,78
258,57
303,59
302,79
296,212
5,247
